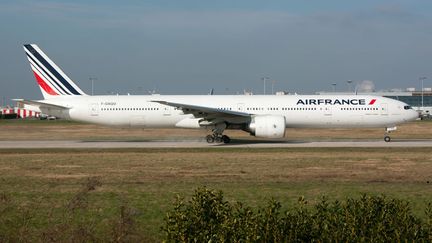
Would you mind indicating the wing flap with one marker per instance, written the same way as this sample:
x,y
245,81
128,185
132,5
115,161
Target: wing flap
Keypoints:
x,y
211,115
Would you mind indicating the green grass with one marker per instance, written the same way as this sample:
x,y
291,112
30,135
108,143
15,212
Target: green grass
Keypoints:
x,y
45,180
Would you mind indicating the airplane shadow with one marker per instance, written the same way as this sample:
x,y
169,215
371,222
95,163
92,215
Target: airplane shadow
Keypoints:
x,y
238,142
251,142
233,141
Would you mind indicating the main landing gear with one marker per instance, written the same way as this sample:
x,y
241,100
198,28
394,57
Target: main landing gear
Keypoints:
x,y
217,136
388,130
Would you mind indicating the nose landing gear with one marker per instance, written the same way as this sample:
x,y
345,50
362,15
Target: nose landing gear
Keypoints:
x,y
387,138
388,130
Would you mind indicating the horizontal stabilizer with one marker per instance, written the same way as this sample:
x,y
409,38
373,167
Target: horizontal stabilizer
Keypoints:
x,y
41,104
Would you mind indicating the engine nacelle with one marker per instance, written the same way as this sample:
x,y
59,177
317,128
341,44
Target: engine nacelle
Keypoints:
x,y
268,126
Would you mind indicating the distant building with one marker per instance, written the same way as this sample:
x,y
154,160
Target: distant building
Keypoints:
x,y
18,112
8,112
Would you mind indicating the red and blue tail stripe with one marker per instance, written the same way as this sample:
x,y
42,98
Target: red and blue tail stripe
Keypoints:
x,y
44,78
51,79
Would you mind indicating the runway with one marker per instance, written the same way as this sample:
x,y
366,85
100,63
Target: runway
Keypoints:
x,y
25,144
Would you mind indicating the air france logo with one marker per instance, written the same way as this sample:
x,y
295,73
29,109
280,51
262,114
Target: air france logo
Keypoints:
x,y
334,102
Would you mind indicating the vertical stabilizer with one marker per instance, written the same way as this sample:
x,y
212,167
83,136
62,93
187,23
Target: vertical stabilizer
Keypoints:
x,y
52,81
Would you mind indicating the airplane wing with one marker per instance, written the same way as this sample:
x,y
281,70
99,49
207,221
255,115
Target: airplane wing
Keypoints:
x,y
40,104
210,114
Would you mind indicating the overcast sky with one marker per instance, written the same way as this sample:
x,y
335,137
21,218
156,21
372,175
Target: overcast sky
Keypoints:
x,y
191,46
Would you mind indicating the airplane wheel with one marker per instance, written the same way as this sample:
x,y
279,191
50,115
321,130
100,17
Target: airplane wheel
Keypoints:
x,y
218,139
226,139
387,139
210,139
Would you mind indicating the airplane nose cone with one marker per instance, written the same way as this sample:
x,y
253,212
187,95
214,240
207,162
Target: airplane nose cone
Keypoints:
x,y
411,115
414,115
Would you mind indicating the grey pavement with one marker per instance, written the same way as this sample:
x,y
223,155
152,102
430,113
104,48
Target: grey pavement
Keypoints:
x,y
203,144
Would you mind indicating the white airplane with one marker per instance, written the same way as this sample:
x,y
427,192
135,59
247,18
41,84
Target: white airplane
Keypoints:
x,y
264,116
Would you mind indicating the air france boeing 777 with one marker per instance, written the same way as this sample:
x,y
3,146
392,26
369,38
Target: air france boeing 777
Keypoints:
x,y
264,116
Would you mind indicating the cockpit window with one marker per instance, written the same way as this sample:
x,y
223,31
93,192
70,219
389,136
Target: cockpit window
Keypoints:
x,y
407,107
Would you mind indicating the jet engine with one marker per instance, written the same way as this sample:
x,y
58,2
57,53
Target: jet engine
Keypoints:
x,y
267,126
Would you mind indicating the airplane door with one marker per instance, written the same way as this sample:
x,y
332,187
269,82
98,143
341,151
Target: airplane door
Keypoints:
x,y
327,111
241,107
167,111
94,109
384,109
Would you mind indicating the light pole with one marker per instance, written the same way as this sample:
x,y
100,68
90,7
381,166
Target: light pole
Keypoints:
x,y
349,85
273,83
422,88
92,79
334,87
265,80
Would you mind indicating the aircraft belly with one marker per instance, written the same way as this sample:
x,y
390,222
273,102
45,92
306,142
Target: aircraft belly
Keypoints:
x,y
162,121
307,120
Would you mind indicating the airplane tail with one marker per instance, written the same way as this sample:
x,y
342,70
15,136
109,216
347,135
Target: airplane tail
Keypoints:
x,y
52,81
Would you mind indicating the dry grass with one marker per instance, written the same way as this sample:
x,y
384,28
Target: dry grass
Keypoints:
x,y
64,130
243,165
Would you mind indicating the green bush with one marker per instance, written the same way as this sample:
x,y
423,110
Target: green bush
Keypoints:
x,y
207,217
